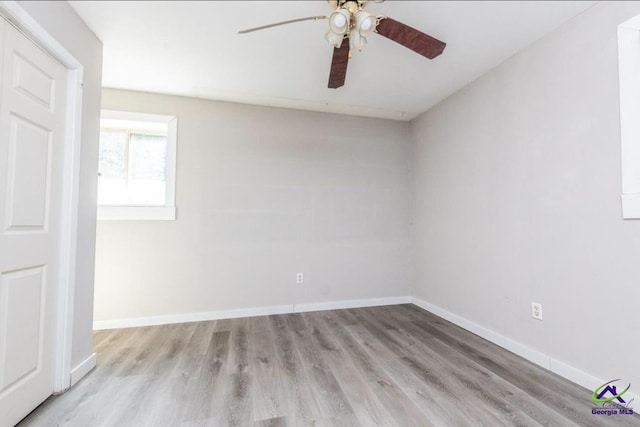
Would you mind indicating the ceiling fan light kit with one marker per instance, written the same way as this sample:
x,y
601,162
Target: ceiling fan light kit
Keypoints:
x,y
339,21
355,41
349,20
365,23
334,39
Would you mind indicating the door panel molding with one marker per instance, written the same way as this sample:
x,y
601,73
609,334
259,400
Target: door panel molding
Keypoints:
x,y
21,186
30,280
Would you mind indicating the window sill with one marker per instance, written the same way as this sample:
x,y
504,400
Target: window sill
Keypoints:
x,y
136,213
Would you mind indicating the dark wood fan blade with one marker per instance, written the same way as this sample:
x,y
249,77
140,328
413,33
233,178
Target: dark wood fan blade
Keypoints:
x,y
410,37
339,65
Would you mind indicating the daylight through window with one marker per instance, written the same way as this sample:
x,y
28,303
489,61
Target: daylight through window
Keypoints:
x,y
136,165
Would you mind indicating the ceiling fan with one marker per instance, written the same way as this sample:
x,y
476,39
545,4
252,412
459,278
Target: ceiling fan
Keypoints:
x,y
350,21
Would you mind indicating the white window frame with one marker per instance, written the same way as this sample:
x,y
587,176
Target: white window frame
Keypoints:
x,y
143,213
629,71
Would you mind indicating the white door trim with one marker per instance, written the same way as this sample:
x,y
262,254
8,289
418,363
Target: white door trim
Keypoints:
x,y
628,67
64,306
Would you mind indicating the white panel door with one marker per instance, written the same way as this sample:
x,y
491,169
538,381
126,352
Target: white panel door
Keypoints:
x,y
32,119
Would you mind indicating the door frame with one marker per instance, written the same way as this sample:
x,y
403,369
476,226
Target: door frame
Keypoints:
x,y
65,292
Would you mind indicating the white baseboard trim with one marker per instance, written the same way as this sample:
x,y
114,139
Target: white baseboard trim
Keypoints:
x,y
354,303
245,312
562,369
83,369
191,317
513,346
585,379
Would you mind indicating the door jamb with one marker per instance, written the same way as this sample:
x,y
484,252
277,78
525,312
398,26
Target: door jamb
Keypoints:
x,y
64,304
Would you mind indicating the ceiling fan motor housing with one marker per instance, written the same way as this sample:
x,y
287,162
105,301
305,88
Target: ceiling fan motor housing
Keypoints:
x,y
334,4
353,6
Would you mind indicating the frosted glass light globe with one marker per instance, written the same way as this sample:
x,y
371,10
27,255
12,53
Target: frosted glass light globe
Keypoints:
x,y
366,24
339,21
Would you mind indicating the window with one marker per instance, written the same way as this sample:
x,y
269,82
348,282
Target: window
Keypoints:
x,y
136,171
629,71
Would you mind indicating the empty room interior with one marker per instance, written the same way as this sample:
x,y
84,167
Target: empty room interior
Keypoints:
x,y
319,213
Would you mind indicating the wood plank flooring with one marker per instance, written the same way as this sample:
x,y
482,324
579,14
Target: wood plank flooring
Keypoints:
x,y
383,366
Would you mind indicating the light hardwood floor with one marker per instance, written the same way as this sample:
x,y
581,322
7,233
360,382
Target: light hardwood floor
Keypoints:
x,y
383,366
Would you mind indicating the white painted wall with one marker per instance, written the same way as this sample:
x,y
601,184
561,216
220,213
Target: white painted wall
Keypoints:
x,y
262,194
517,199
60,20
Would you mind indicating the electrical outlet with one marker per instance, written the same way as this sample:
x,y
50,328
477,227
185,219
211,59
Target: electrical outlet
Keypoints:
x,y
299,278
536,310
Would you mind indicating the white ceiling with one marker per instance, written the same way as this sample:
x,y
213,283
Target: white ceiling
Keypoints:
x,y
193,49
